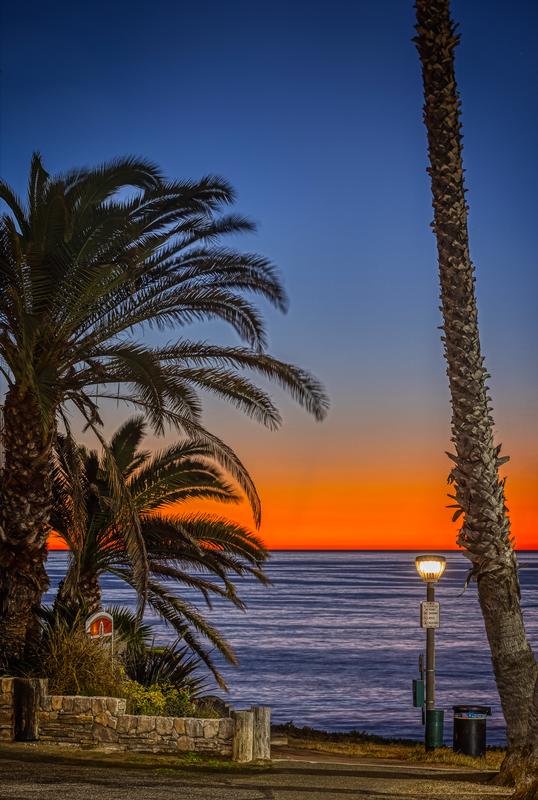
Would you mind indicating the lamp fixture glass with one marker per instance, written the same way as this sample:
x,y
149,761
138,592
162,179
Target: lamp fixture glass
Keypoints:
x,y
430,567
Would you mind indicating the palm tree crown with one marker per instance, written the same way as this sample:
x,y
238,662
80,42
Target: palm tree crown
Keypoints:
x,y
190,550
87,263
81,269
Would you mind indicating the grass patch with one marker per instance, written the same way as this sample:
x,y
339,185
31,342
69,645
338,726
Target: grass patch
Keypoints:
x,y
402,752
159,762
359,743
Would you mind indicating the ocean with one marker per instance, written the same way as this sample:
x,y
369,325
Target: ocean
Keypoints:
x,y
334,642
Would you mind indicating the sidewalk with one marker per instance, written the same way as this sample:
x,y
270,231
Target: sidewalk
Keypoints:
x,y
294,775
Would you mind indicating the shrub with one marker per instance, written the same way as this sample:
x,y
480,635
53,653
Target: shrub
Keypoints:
x,y
76,664
211,707
158,700
148,700
178,702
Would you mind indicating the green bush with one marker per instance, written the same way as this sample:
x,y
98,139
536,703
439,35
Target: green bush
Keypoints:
x,y
162,700
178,702
148,700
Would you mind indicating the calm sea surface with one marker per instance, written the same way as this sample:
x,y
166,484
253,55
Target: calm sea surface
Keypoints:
x,y
334,642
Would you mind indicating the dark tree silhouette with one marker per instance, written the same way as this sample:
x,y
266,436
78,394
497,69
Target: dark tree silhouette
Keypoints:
x,y
91,259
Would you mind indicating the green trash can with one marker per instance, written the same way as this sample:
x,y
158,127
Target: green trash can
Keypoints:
x,y
435,718
470,729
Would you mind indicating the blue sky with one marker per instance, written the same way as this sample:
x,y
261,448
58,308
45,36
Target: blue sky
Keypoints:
x,y
313,112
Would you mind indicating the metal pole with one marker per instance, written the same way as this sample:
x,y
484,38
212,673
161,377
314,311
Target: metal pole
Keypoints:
x,y
430,663
430,654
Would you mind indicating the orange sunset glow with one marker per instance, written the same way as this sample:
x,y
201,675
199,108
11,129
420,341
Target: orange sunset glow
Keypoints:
x,y
374,480
381,515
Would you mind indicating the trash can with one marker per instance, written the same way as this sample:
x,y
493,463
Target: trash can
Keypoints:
x,y
470,729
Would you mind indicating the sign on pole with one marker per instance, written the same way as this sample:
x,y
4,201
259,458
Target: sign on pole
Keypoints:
x,y
429,614
100,626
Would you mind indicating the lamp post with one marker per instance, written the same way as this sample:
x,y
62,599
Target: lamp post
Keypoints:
x,y
430,568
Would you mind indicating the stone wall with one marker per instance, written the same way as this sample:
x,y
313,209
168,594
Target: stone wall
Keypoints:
x,y
7,716
102,721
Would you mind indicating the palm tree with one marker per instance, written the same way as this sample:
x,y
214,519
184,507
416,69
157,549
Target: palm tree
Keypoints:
x,y
478,488
91,259
194,550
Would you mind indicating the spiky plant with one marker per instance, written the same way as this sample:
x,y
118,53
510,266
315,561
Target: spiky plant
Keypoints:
x,y
180,549
148,664
173,665
478,488
87,262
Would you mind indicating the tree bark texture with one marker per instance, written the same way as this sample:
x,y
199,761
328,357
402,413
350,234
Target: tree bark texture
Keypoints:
x,y
86,593
478,489
25,503
524,768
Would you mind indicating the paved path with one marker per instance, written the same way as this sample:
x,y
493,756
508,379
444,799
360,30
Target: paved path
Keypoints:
x,y
48,779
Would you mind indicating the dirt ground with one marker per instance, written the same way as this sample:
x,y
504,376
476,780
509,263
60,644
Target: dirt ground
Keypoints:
x,y
40,775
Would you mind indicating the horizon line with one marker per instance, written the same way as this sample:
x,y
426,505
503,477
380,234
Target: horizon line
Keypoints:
x,y
352,550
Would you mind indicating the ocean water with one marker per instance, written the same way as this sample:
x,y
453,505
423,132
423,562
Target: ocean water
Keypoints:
x,y
334,641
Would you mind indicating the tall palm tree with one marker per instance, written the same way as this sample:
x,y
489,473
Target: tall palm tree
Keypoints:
x,y
91,259
180,549
478,488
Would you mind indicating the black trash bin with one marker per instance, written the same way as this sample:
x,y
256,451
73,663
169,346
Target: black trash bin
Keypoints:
x,y
470,729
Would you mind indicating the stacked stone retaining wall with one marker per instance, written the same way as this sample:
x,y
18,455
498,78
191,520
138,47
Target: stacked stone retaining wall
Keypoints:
x,y
86,721
103,722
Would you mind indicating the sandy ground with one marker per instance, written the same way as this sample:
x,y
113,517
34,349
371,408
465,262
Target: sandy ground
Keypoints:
x,y
43,776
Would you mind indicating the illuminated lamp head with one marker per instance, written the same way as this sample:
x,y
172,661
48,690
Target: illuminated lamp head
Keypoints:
x,y
430,567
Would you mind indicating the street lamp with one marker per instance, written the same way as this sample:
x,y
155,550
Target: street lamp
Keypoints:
x,y
430,568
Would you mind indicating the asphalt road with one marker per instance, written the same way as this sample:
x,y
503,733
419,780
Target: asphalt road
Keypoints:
x,y
285,780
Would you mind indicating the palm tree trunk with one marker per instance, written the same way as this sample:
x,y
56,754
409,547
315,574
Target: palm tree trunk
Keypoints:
x,y
85,596
90,592
25,502
525,769
478,489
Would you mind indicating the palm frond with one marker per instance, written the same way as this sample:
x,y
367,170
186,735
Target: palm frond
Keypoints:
x,y
127,520
15,204
306,389
132,632
98,252
181,615
124,445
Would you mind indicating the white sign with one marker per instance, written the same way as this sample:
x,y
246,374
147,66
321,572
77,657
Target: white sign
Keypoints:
x,y
100,626
429,614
